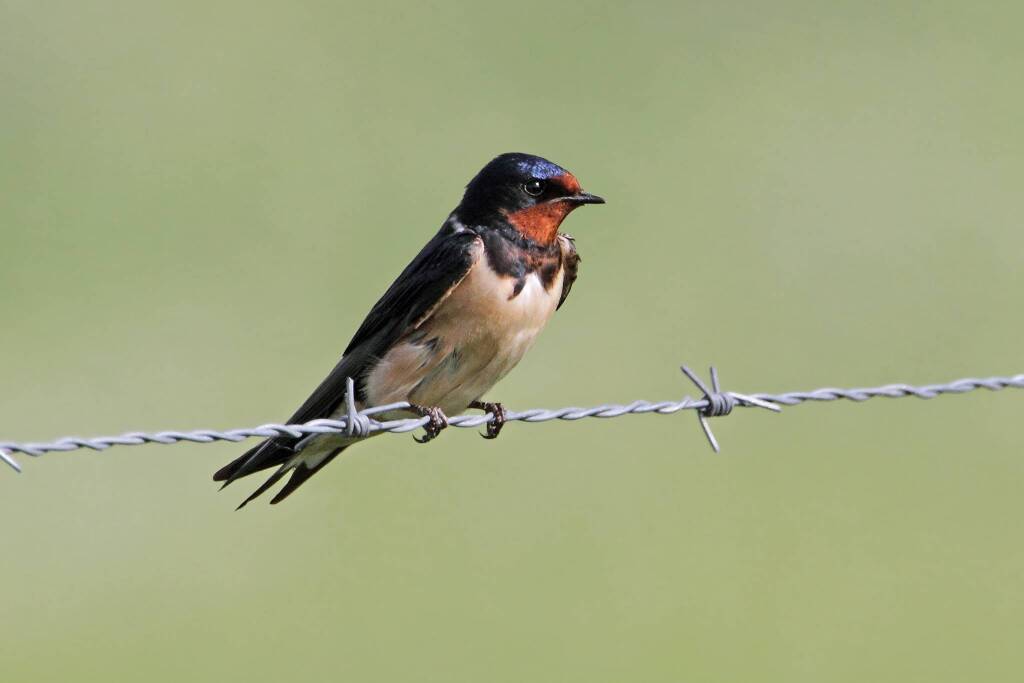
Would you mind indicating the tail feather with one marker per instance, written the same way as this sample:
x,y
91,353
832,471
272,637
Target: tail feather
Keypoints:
x,y
251,461
267,454
299,477
274,478
224,473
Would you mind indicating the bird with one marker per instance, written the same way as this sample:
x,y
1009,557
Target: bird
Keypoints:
x,y
460,316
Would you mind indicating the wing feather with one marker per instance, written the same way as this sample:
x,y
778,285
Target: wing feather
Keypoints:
x,y
414,295
427,281
570,264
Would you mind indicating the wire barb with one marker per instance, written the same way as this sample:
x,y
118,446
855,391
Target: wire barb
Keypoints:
x,y
357,425
718,403
362,423
9,459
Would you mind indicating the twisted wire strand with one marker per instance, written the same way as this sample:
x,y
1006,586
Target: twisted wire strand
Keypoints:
x,y
959,386
713,403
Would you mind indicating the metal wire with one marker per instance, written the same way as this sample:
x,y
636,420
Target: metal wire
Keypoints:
x,y
713,403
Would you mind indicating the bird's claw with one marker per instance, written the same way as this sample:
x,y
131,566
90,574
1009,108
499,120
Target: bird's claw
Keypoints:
x,y
438,421
495,424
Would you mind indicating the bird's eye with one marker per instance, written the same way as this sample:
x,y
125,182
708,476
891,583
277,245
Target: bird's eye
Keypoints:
x,y
534,187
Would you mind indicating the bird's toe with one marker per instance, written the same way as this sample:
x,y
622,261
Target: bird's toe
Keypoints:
x,y
437,421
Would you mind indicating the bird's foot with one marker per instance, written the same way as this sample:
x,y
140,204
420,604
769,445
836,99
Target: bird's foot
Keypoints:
x,y
438,421
495,424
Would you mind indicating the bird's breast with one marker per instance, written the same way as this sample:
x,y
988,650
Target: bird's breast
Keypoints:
x,y
495,305
473,338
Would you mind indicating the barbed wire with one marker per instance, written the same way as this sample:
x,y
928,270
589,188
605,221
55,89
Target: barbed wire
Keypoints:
x,y
713,403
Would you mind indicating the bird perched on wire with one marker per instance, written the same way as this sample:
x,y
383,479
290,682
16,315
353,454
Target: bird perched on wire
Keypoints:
x,y
459,317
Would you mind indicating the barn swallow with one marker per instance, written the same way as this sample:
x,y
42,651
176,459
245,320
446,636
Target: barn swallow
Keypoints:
x,y
459,317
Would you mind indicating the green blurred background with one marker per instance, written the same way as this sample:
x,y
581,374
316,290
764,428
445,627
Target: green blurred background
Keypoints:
x,y
199,202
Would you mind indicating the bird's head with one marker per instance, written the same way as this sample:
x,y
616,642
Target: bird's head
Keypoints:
x,y
527,192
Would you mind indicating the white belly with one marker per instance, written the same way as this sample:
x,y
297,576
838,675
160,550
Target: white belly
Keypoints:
x,y
481,333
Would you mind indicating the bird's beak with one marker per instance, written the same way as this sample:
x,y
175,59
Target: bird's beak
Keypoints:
x,y
585,198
